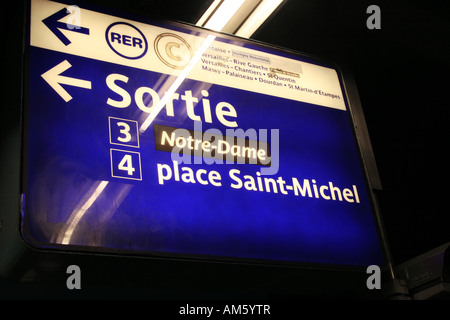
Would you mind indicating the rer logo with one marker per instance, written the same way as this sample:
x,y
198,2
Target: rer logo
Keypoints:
x,y
126,40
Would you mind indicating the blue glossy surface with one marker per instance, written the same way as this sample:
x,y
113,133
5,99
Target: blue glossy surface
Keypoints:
x,y
70,154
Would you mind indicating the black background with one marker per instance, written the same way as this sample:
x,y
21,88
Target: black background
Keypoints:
x,y
402,73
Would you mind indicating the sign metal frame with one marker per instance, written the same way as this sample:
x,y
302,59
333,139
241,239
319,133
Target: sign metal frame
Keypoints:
x,y
359,129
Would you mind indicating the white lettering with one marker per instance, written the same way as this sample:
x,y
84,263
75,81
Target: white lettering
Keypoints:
x,y
139,98
221,113
202,176
146,99
110,82
277,185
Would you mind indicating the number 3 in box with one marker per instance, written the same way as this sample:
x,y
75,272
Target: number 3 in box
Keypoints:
x,y
123,132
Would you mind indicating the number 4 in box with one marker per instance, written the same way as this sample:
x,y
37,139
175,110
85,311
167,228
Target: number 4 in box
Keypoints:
x,y
126,164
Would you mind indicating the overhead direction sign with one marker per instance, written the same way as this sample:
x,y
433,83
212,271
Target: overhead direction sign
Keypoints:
x,y
165,139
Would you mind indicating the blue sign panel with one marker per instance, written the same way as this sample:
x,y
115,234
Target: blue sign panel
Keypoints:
x,y
164,140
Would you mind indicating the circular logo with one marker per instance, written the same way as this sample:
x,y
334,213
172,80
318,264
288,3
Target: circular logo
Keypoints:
x,y
126,40
173,50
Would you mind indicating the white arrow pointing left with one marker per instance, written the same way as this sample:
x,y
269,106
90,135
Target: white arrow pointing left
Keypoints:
x,y
55,79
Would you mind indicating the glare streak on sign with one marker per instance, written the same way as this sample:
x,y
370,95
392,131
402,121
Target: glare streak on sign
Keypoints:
x,y
76,216
177,83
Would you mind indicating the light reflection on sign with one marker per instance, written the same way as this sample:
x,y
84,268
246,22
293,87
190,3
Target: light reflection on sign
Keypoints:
x,y
189,144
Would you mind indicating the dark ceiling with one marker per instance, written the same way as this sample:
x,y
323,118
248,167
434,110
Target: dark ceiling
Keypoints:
x,y
402,72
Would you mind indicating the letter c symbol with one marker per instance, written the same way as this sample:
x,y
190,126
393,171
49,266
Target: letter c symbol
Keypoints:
x,y
169,47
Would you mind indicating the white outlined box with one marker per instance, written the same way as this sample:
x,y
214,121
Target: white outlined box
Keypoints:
x,y
123,132
126,164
